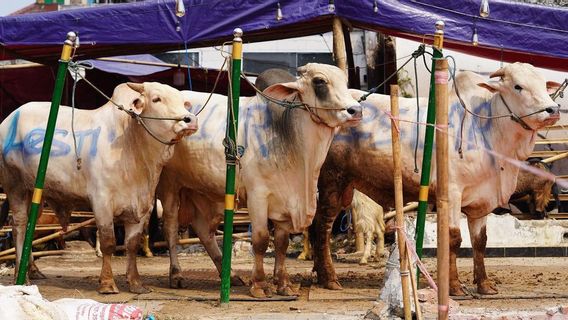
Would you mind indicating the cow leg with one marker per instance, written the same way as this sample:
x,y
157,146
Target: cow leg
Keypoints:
x,y
170,202
205,226
359,235
320,236
306,253
281,279
146,238
146,245
108,245
132,242
98,251
260,237
478,234
367,249
20,209
455,243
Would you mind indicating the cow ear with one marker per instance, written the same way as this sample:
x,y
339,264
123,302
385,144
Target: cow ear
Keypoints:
x,y
137,105
281,90
491,86
187,105
552,86
138,87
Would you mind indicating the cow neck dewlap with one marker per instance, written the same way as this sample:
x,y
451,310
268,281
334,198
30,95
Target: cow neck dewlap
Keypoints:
x,y
315,149
508,137
141,155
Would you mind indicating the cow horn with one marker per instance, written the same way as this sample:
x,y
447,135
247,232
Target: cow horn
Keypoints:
x,y
138,87
498,73
302,70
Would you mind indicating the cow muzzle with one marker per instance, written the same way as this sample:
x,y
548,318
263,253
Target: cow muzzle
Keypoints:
x,y
187,126
356,114
553,115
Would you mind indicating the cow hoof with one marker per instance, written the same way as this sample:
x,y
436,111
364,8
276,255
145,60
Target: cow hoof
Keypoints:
x,y
287,290
261,290
35,274
457,291
176,282
304,256
139,289
486,288
333,285
108,288
99,254
363,262
148,254
237,281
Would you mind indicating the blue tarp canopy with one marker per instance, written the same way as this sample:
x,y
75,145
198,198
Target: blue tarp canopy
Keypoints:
x,y
512,32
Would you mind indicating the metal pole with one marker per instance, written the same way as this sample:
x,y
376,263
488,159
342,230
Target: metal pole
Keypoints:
x,y
428,143
44,158
442,188
231,136
400,226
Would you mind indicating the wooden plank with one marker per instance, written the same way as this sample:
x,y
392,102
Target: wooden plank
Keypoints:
x,y
546,154
551,141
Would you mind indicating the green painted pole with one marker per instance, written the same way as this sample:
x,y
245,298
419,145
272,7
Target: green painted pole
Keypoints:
x,y
428,144
231,135
44,158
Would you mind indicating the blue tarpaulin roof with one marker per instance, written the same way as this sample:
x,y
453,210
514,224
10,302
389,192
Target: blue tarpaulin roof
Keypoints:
x,y
512,32
130,69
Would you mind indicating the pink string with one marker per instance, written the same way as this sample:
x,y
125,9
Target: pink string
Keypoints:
x,y
520,164
394,121
410,248
441,77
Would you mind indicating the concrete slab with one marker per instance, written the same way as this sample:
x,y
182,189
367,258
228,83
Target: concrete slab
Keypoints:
x,y
506,231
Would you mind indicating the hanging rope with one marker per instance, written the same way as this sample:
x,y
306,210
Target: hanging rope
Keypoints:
x,y
85,65
420,51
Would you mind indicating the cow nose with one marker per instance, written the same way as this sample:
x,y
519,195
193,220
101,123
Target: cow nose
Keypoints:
x,y
355,111
553,110
187,119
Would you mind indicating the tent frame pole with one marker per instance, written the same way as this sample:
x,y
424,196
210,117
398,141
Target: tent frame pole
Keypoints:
x,y
68,45
231,159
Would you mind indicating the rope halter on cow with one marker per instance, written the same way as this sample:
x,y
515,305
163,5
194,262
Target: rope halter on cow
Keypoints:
x,y
292,104
75,66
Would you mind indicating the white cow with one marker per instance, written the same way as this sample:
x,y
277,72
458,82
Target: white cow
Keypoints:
x,y
121,166
282,152
480,181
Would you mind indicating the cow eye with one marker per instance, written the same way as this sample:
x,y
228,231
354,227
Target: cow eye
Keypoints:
x,y
319,81
156,99
518,88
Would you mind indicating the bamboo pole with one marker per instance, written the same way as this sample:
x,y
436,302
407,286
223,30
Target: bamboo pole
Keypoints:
x,y
35,254
414,291
409,207
339,51
442,188
164,244
428,145
44,157
555,158
404,273
52,236
231,136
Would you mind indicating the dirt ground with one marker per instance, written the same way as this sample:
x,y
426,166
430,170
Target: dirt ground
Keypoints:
x,y
525,284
